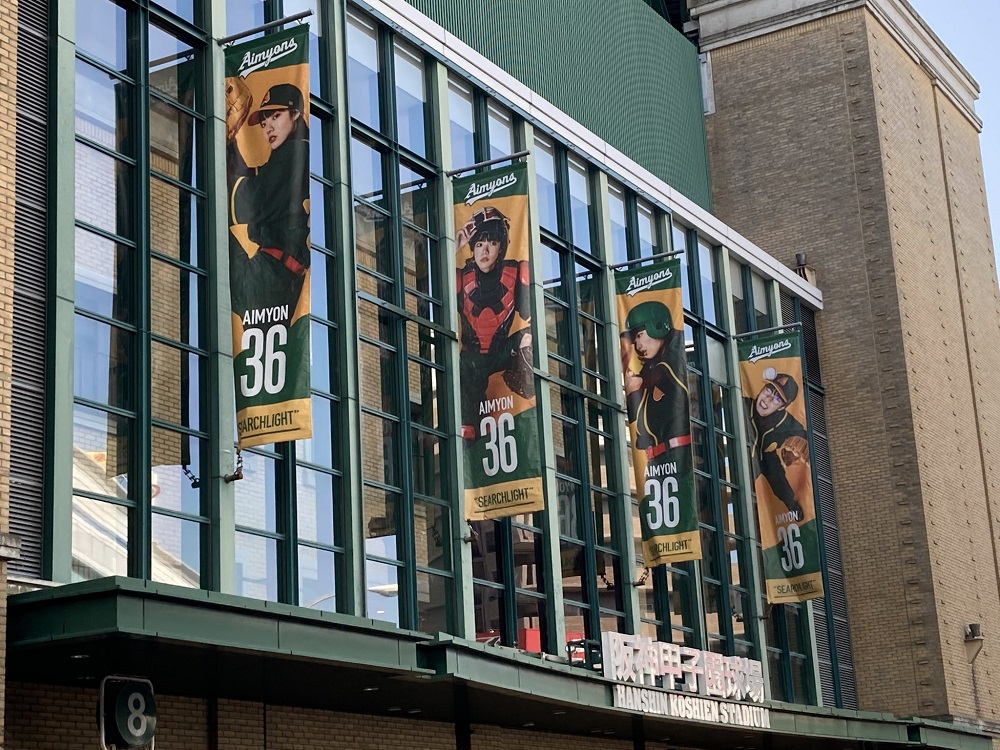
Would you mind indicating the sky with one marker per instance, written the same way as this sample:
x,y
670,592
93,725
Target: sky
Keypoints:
x,y
970,29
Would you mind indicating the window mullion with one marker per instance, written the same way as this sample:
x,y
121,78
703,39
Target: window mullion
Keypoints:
x,y
139,538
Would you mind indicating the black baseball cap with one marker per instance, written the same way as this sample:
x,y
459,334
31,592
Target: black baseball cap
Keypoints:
x,y
279,96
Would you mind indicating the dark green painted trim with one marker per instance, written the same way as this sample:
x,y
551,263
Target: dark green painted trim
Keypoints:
x,y
124,606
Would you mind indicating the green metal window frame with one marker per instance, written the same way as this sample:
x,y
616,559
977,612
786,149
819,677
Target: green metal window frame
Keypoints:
x,y
398,317
579,403
63,311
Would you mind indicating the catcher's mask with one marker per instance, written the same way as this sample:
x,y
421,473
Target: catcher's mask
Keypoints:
x,y
491,226
652,317
783,383
280,96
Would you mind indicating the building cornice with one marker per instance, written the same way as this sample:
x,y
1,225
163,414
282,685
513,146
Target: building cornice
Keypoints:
x,y
726,22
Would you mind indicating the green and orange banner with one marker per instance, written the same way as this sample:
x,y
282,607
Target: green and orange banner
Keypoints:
x,y
499,420
267,154
654,366
774,394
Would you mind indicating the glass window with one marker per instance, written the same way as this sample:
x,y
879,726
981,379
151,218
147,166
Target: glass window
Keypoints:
x,y
101,32
545,169
579,197
463,125
501,131
706,267
411,98
363,71
619,235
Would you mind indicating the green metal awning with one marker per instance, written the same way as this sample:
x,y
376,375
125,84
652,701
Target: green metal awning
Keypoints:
x,y
205,644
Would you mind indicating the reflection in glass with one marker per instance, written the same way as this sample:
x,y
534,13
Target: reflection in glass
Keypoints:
x,y
176,301
545,170
462,117
381,523
647,230
102,107
501,131
255,493
362,71
172,71
100,539
433,602
761,299
419,263
579,199
411,99
382,595
101,32
366,173
706,266
619,236
175,552
102,191
176,377
315,505
319,449
101,452
176,480
372,248
102,356
530,618
317,578
739,297
176,216
103,274
256,566
488,607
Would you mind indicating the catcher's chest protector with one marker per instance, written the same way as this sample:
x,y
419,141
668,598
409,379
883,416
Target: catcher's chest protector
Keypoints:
x,y
487,321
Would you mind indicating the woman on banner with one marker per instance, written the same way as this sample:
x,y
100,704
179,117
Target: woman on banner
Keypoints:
x,y
655,397
272,201
779,439
491,289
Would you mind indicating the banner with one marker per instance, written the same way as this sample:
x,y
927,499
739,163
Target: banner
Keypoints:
x,y
771,378
654,365
503,459
267,159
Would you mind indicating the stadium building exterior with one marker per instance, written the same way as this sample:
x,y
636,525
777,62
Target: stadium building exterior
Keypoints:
x,y
334,596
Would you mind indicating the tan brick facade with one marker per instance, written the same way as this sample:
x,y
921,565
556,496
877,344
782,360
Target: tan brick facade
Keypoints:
x,y
829,139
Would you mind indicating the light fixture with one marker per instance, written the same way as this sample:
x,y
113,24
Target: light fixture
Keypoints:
x,y
528,724
385,589
558,712
394,708
369,689
413,710
79,656
973,641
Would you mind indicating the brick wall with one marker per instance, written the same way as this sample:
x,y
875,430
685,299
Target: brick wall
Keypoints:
x,y
828,139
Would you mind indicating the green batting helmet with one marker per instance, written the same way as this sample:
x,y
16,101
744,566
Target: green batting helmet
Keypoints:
x,y
652,316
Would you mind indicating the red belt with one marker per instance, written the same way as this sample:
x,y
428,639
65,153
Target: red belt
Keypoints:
x,y
661,448
285,259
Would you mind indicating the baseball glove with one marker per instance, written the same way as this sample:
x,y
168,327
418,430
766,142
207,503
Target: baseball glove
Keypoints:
x,y
520,377
239,102
793,450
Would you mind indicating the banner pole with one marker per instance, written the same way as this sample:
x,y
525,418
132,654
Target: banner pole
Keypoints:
x,y
634,261
263,27
762,331
488,163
